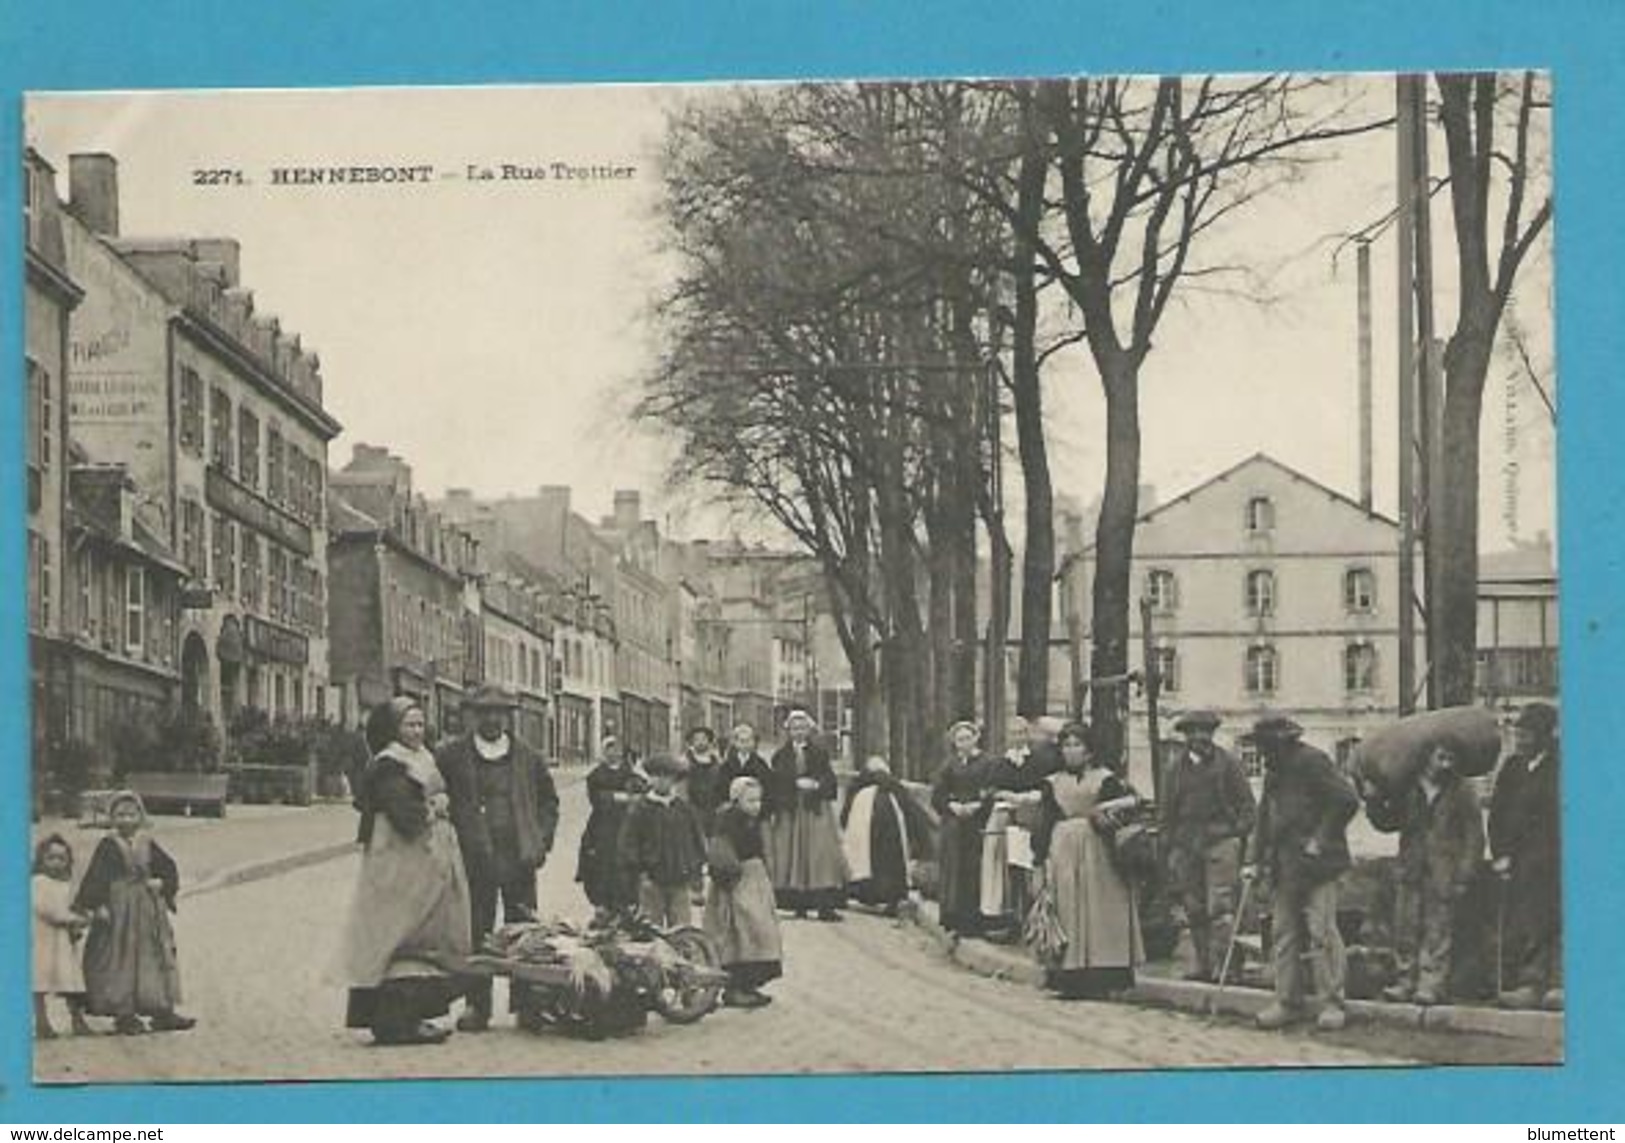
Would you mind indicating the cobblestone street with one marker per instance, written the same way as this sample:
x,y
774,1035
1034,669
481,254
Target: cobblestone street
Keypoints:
x,y
867,995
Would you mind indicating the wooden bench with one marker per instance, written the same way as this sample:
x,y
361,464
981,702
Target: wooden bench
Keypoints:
x,y
205,793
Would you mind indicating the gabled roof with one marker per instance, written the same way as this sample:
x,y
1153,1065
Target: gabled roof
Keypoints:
x,y
344,518
1256,458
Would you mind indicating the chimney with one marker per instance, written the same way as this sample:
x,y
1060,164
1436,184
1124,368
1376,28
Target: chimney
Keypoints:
x,y
1363,276
93,191
223,252
628,510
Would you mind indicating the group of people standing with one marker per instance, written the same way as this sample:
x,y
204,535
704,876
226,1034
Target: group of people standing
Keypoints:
x,y
1290,848
1039,821
453,838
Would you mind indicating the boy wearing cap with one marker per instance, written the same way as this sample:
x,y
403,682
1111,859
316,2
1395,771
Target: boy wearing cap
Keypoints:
x,y
1524,846
1300,846
505,810
1209,811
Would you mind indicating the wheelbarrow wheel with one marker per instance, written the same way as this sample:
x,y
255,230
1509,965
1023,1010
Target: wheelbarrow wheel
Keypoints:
x,y
683,1001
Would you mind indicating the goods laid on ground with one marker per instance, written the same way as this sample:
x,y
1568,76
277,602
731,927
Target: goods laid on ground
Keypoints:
x,y
603,979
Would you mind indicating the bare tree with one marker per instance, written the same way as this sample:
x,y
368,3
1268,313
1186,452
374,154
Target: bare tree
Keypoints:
x,y
1491,123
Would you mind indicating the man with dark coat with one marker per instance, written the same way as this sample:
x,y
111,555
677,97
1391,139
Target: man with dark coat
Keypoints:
x,y
1300,847
505,810
1208,813
1525,851
703,784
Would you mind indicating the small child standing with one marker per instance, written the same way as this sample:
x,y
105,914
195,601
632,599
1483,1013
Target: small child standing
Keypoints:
x,y
57,928
662,848
739,914
128,893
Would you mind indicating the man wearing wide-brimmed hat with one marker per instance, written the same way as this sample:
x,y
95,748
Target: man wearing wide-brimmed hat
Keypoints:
x,y
1300,847
1525,849
505,809
1208,813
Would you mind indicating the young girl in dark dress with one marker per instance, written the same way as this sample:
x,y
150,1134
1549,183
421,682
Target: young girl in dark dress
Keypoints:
x,y
739,913
612,787
128,893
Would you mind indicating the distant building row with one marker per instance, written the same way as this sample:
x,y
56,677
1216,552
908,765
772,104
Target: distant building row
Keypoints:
x,y
188,545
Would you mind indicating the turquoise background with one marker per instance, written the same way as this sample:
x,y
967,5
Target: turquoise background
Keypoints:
x,y
52,44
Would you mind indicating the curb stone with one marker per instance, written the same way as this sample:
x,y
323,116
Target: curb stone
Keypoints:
x,y
1012,965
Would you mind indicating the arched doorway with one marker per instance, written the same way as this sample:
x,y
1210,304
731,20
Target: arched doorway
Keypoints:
x,y
194,672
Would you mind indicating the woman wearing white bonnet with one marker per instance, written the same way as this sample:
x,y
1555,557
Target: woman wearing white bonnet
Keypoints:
x,y
803,842
739,912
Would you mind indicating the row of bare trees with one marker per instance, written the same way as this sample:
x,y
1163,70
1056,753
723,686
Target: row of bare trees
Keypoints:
x,y
863,306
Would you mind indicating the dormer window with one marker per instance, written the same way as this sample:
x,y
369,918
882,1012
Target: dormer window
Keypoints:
x,y
1260,516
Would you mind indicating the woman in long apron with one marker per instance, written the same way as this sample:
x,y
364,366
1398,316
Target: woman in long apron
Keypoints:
x,y
739,913
408,929
804,843
1093,902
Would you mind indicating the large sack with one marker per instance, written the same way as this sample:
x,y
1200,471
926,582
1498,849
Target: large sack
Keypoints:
x,y
1393,758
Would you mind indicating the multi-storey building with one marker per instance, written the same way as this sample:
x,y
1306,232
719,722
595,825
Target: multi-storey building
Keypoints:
x,y
701,643
50,296
1269,591
582,573
518,636
1517,624
121,613
217,414
400,622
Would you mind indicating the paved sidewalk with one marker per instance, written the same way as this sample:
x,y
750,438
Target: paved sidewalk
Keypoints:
x,y
1158,984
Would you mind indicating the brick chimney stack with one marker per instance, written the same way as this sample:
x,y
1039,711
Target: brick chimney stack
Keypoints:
x,y
93,191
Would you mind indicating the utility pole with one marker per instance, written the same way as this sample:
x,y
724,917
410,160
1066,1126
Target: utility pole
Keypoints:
x,y
1153,691
1407,128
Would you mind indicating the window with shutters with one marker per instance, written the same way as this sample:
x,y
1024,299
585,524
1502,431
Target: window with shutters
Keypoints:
x,y
248,448
1360,590
45,433
1260,592
277,563
1360,667
1162,589
221,453
191,413
36,581
85,577
275,484
135,612
252,578
225,556
37,435
1263,670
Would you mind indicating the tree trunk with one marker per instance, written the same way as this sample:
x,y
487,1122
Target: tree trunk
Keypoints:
x,y
1038,550
1114,557
1455,641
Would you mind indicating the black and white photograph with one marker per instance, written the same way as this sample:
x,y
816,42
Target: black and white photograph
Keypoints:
x,y
909,576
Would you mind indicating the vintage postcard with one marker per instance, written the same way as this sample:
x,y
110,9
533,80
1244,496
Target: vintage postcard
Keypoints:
x,y
780,578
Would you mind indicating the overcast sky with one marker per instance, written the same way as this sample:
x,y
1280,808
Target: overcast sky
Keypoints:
x,y
488,331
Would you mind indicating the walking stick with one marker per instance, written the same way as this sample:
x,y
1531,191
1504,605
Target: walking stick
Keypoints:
x,y
1230,948
1500,935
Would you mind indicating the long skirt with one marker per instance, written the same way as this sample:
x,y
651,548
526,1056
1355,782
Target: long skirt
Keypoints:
x,y
740,918
598,865
995,861
804,858
408,929
1096,910
876,846
130,965
959,860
